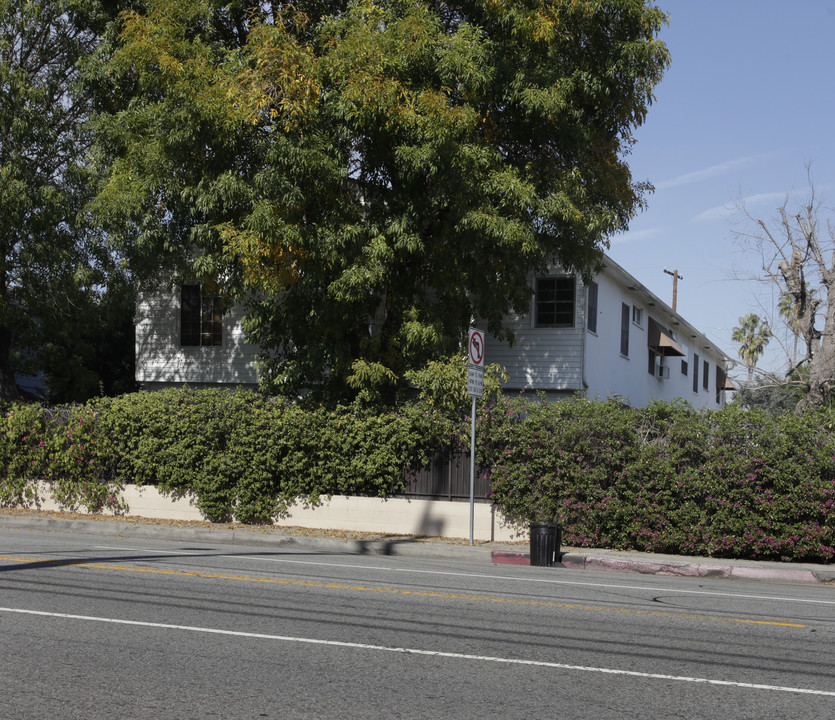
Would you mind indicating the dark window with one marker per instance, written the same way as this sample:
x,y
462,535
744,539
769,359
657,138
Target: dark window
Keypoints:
x,y
695,372
200,318
624,330
684,367
706,375
555,302
591,307
651,366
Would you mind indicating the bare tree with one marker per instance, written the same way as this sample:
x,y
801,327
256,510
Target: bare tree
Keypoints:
x,y
797,247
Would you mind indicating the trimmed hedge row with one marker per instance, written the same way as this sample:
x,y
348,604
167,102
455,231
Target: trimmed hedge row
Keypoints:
x,y
241,453
666,478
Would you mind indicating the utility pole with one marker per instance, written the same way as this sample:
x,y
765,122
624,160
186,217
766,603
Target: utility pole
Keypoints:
x,y
676,278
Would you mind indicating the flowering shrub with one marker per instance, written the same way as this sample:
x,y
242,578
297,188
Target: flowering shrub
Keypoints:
x,y
64,449
666,478
240,453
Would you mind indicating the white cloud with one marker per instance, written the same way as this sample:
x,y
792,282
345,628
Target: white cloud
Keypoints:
x,y
776,199
710,172
720,212
726,211
636,235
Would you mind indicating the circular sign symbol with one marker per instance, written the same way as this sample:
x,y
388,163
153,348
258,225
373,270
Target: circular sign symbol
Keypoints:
x,y
476,347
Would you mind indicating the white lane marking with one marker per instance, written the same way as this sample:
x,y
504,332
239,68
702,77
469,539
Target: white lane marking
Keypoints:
x,y
415,651
483,576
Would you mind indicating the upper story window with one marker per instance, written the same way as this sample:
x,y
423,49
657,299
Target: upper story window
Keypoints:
x,y
201,320
554,301
624,329
591,307
695,372
638,316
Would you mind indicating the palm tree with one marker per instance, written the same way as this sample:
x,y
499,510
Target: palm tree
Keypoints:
x,y
752,336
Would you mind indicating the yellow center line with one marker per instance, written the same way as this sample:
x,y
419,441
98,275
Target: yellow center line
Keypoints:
x,y
389,590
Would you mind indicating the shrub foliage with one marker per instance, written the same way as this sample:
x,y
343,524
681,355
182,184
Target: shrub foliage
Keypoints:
x,y
665,478
240,453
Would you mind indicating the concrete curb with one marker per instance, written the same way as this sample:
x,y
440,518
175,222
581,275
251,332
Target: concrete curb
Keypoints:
x,y
406,547
747,570
434,548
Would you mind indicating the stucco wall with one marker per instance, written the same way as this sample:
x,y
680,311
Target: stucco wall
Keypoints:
x,y
393,516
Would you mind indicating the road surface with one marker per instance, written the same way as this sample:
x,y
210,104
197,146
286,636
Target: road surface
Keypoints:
x,y
109,627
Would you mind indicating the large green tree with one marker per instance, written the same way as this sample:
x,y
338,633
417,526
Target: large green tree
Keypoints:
x,y
374,174
55,271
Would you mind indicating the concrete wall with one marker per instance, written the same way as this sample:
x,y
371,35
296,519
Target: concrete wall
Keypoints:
x,y
393,516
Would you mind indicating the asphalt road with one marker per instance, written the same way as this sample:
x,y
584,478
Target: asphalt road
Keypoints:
x,y
109,627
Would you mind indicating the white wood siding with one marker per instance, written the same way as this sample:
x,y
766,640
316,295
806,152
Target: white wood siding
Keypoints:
x,y
161,360
548,359
565,360
608,373
558,361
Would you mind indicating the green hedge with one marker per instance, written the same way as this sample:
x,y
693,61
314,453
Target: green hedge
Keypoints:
x,y
66,447
666,478
241,453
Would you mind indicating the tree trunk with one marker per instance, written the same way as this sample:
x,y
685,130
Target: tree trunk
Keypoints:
x,y
8,387
821,354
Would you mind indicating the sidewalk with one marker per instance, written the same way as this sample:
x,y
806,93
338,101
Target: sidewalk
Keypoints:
x,y
354,543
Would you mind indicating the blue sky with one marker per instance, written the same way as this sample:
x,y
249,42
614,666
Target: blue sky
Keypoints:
x,y
747,101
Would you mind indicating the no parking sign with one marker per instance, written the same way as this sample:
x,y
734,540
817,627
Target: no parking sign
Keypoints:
x,y
475,363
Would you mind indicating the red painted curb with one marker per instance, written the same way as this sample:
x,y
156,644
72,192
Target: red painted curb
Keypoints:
x,y
511,558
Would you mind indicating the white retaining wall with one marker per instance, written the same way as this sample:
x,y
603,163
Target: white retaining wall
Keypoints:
x,y
393,516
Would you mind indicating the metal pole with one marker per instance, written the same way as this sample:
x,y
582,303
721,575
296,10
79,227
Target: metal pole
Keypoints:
x,y
472,470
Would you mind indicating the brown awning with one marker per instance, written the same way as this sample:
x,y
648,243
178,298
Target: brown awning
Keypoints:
x,y
729,384
723,382
662,342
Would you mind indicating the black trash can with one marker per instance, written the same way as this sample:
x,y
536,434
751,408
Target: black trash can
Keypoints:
x,y
545,543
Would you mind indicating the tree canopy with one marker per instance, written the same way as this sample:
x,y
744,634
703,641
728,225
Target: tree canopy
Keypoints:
x,y
752,335
55,270
372,175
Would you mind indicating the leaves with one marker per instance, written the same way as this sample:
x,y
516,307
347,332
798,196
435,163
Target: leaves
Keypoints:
x,y
373,175
56,270
665,478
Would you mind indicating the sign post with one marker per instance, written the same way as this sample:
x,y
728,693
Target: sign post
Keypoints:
x,y
475,388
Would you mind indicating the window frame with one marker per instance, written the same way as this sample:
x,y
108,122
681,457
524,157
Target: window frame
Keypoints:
x,y
591,307
557,304
201,320
696,373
